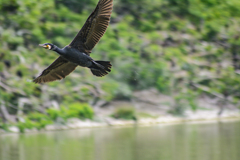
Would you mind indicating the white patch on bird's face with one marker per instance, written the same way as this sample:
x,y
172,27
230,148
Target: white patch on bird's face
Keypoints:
x,y
49,47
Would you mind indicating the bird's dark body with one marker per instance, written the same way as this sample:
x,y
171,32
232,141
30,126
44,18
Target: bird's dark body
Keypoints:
x,y
75,56
77,53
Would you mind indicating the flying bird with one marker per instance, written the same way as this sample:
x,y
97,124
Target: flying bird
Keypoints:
x,y
77,53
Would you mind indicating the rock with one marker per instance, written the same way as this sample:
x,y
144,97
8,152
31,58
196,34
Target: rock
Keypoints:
x,y
50,127
14,129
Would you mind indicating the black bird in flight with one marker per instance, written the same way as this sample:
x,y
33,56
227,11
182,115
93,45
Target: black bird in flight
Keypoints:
x,y
77,53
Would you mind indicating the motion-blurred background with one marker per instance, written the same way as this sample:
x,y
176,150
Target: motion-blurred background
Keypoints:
x,y
184,51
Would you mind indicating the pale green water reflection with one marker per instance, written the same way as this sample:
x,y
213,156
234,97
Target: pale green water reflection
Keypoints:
x,y
212,141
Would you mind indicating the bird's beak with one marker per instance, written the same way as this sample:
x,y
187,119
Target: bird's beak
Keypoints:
x,y
42,45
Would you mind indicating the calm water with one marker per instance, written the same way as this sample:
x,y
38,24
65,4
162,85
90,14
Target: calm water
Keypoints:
x,y
212,141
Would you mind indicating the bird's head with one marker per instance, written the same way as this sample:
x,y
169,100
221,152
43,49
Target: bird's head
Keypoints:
x,y
47,46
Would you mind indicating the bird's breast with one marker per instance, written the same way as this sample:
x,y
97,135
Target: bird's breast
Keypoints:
x,y
78,57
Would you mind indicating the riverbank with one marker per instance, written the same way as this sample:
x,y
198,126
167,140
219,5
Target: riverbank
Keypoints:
x,y
190,116
149,108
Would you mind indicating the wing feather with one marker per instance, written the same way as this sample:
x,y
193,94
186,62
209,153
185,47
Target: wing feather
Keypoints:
x,y
94,28
59,69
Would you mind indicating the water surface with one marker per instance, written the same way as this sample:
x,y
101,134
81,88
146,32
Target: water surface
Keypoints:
x,y
211,141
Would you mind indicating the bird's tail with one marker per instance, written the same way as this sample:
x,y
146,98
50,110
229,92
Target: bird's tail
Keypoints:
x,y
100,68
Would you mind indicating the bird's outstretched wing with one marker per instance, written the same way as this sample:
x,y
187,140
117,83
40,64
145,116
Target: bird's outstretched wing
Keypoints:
x,y
94,27
59,69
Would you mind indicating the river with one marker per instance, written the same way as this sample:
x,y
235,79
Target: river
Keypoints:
x,y
189,141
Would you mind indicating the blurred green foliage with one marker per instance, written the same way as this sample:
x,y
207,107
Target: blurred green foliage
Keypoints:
x,y
39,120
125,113
77,110
183,48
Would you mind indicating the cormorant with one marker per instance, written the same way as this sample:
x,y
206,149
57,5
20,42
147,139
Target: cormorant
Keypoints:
x,y
77,53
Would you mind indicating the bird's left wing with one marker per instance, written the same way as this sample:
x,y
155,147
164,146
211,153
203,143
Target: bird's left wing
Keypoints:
x,y
94,28
59,69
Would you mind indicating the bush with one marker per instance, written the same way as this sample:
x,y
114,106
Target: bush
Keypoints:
x,y
80,110
34,120
77,110
27,124
39,120
125,113
55,113
3,126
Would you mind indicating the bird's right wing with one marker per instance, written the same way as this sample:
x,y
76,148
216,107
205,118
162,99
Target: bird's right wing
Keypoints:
x,y
94,28
59,69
